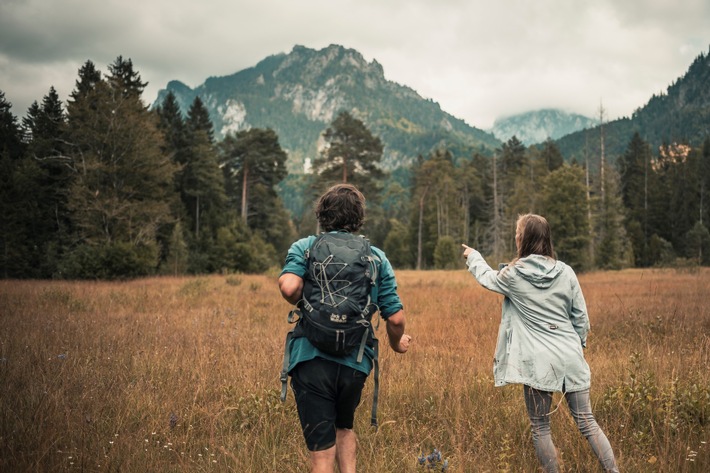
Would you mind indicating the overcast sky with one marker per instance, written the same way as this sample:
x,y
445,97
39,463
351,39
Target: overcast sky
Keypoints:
x,y
479,59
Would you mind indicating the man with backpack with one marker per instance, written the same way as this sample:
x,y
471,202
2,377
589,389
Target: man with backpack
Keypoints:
x,y
337,282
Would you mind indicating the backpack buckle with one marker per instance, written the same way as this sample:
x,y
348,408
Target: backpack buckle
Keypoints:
x,y
294,316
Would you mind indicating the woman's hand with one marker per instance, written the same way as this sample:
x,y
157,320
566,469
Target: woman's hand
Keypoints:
x,y
467,250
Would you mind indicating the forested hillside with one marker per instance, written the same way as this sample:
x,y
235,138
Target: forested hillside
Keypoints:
x,y
106,187
681,115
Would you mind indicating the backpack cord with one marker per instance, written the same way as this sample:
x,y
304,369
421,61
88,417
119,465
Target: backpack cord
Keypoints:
x,y
320,277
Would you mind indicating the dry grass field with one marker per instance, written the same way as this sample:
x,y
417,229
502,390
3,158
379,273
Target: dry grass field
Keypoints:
x,y
181,375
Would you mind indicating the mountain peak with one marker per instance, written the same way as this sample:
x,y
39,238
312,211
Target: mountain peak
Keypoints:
x,y
300,93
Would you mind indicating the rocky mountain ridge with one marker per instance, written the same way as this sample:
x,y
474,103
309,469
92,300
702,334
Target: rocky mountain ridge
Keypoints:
x,y
298,94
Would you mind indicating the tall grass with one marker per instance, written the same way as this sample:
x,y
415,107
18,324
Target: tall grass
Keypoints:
x,y
181,374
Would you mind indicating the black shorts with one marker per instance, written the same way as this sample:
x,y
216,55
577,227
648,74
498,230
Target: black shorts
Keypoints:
x,y
327,394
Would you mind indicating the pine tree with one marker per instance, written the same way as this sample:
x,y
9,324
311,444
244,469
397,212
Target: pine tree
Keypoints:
x,y
254,163
351,155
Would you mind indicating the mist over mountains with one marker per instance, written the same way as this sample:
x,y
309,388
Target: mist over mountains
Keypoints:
x,y
536,126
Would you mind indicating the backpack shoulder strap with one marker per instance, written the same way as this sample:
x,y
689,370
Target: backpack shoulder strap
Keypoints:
x,y
287,354
373,417
284,369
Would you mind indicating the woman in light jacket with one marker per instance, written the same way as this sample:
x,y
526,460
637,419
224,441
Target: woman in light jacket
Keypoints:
x,y
542,332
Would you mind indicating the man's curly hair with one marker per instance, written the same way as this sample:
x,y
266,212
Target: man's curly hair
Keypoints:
x,y
342,207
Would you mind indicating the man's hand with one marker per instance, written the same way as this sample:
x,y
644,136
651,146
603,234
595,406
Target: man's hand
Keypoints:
x,y
403,345
399,341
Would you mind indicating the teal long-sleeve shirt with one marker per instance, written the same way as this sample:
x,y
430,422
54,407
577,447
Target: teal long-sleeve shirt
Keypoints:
x,y
384,294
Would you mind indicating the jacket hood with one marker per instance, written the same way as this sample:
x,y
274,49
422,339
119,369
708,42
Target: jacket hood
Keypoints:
x,y
540,271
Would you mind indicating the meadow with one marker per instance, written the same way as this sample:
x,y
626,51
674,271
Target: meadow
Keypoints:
x,y
182,375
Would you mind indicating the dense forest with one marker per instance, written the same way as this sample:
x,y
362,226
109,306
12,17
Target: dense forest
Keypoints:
x,y
104,187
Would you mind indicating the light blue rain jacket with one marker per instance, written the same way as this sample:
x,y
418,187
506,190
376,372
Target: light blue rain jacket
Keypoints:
x,y
544,324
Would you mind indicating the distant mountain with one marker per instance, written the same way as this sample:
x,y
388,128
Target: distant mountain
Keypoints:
x,y
538,125
299,94
680,115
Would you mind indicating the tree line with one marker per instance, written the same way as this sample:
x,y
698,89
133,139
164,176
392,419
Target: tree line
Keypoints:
x,y
103,187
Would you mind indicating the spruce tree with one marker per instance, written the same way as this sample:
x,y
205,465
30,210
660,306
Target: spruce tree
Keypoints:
x,y
514,184
10,133
121,194
45,130
89,78
613,249
551,155
198,118
634,168
174,129
124,79
18,200
703,171
199,181
565,208
683,184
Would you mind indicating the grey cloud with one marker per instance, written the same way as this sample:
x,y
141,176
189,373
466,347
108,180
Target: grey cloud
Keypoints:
x,y
478,59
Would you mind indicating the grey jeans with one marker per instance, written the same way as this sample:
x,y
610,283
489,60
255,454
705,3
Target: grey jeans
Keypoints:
x,y
538,404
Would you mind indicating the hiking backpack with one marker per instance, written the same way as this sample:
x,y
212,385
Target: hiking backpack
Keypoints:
x,y
336,309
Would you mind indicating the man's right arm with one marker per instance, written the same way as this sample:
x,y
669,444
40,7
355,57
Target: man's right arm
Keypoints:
x,y
291,287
